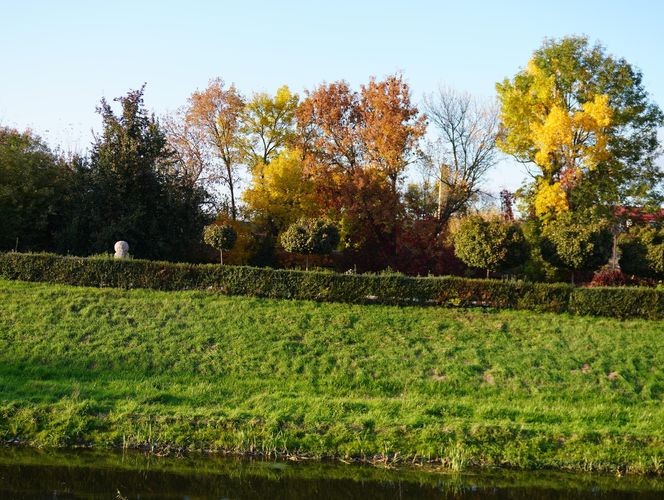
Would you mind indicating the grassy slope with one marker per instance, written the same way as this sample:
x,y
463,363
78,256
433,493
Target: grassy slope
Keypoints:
x,y
197,370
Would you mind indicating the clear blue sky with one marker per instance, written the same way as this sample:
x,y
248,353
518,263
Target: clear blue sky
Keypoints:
x,y
59,58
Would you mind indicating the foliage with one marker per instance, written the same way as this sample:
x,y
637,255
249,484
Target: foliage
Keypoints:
x,y
356,147
128,191
280,192
328,287
642,252
609,277
584,121
490,244
268,126
310,236
220,236
423,250
213,120
577,242
179,371
34,192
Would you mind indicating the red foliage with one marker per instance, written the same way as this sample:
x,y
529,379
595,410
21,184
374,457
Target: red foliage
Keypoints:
x,y
422,251
609,277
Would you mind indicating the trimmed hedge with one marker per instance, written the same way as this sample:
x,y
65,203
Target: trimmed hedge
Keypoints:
x,y
331,287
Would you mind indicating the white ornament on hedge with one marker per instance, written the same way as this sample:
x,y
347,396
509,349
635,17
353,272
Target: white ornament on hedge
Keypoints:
x,y
121,250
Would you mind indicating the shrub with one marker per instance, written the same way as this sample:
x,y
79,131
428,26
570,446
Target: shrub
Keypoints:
x,y
609,277
577,245
310,236
642,253
491,245
633,302
220,236
333,287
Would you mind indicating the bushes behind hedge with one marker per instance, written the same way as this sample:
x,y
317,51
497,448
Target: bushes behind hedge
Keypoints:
x,y
322,286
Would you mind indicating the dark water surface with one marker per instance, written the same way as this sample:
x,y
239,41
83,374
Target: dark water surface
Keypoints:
x,y
34,474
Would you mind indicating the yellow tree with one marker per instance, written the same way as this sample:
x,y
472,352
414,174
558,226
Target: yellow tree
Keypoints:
x,y
268,125
280,191
582,119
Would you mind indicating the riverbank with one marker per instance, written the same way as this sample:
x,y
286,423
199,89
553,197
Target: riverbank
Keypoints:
x,y
383,384
30,473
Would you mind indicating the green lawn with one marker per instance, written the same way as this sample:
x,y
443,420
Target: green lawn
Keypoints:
x,y
461,387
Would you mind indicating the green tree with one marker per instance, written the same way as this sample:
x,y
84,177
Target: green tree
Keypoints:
x,y
584,122
642,252
310,237
221,237
34,192
577,242
129,190
490,244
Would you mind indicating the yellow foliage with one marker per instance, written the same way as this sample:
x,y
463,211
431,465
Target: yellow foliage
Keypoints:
x,y
550,199
554,137
280,191
597,114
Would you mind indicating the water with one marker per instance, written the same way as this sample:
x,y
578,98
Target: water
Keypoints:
x,y
33,474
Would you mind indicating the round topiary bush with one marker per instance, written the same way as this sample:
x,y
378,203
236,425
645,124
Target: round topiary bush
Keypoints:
x,y
310,237
490,244
221,237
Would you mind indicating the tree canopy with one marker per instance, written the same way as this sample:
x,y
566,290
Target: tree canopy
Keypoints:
x,y
585,124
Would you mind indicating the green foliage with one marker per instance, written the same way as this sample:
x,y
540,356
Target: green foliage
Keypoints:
x,y
492,245
34,192
221,237
309,236
130,192
619,302
611,162
536,268
576,242
642,253
199,371
325,287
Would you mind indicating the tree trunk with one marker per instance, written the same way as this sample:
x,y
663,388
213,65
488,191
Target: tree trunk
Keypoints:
x,y
441,201
232,190
221,257
487,274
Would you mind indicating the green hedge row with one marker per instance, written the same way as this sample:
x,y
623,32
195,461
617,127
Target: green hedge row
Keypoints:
x,y
357,289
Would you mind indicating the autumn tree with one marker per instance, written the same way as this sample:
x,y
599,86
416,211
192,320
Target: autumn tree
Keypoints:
x,y
356,146
583,123
280,191
207,137
190,147
390,126
268,125
463,151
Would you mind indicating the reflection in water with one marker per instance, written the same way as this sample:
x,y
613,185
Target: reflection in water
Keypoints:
x,y
32,474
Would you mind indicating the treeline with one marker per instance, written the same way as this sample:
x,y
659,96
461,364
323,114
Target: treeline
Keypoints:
x,y
127,188
578,118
